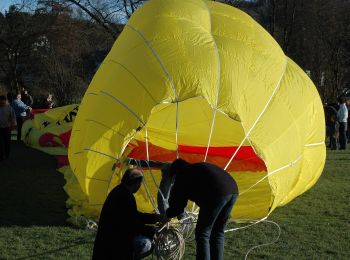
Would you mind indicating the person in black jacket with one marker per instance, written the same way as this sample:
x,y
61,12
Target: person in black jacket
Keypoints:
x,y
215,192
122,233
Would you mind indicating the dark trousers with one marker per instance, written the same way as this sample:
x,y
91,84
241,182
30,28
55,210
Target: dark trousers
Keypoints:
x,y
19,127
5,143
334,142
211,223
342,135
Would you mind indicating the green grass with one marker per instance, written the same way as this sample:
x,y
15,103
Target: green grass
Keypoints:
x,y
33,226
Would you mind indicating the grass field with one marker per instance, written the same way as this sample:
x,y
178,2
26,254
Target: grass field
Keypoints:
x,y
32,216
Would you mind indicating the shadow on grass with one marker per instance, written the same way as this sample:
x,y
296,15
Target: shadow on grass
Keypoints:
x,y
53,251
31,190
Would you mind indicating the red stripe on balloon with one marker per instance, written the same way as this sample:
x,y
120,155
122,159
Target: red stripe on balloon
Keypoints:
x,y
245,160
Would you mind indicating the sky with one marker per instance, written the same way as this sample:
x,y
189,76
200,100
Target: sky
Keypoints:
x,y
4,4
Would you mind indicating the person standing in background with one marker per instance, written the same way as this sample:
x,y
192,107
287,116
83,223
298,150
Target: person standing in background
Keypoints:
x,y
49,102
348,106
27,98
334,132
21,113
342,116
7,122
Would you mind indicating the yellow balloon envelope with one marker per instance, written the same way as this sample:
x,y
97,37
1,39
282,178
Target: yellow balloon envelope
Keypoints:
x,y
201,81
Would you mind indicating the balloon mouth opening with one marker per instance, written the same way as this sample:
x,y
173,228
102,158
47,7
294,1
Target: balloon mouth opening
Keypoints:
x,y
192,132
157,142
246,160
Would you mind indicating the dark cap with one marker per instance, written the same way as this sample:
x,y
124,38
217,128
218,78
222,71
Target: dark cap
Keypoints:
x,y
132,176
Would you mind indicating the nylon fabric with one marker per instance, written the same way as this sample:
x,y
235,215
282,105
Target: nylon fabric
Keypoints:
x,y
170,52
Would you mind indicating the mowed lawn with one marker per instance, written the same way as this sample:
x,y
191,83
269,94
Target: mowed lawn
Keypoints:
x,y
32,216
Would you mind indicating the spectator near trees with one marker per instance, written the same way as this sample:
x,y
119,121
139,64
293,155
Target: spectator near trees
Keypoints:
x,y
342,116
21,110
55,45
7,122
26,97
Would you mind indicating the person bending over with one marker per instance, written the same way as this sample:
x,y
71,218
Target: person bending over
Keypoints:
x,y
215,192
122,233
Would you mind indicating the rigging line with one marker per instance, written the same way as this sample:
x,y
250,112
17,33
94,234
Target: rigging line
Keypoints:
x,y
177,129
126,143
195,208
262,112
247,226
121,153
255,223
124,105
146,188
291,164
107,155
101,153
268,243
106,126
149,167
148,44
96,179
134,76
202,97
110,181
154,180
217,84
314,144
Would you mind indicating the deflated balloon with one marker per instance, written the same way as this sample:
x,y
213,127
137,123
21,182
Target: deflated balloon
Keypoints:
x,y
201,81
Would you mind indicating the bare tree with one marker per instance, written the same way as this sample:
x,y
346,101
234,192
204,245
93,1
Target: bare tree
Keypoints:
x,y
108,14
19,31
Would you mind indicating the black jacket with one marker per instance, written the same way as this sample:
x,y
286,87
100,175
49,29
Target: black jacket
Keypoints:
x,y
119,223
199,182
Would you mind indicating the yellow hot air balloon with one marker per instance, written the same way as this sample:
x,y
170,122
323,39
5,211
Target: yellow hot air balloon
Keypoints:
x,y
202,81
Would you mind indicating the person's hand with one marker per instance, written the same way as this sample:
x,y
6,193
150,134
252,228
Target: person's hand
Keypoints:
x,y
162,218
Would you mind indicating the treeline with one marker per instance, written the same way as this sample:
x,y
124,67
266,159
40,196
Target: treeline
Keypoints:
x,y
314,33
50,46
50,50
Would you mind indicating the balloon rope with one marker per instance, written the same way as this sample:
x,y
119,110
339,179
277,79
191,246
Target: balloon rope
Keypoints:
x,y
98,152
314,144
149,45
149,167
210,134
291,164
253,224
268,243
247,226
177,129
134,76
258,118
169,243
124,105
149,195
155,54
134,114
217,84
